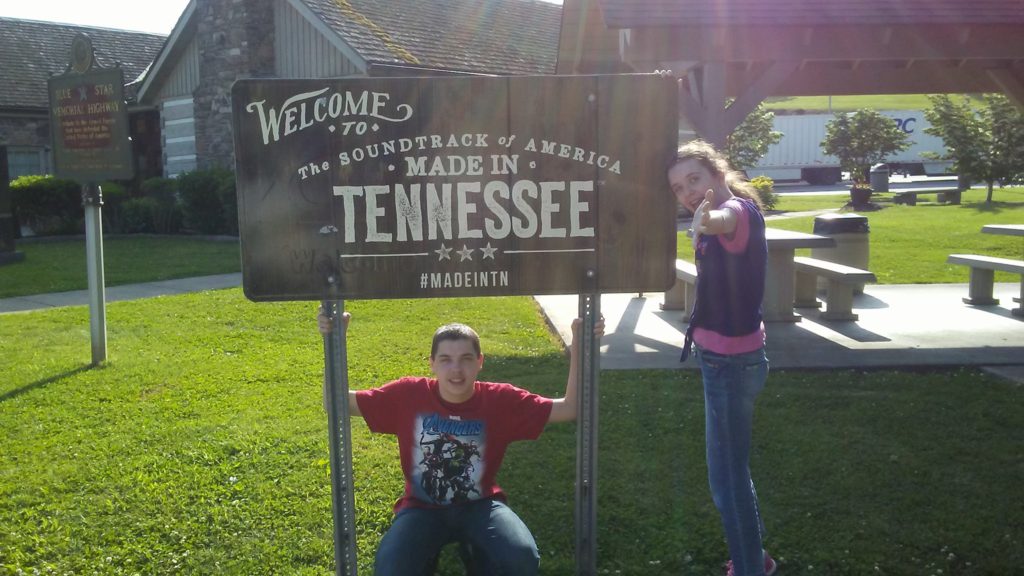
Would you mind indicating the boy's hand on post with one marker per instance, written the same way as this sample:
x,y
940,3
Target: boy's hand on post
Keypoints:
x,y
564,409
325,321
578,322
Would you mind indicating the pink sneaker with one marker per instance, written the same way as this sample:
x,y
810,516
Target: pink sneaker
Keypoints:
x,y
770,566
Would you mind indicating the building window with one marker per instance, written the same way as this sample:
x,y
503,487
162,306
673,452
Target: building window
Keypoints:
x,y
25,161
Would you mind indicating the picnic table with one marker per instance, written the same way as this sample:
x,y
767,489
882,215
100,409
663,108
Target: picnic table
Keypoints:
x,y
780,278
983,269
779,293
1004,229
1007,229
908,196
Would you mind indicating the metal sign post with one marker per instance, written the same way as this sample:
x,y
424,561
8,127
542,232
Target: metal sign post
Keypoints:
x,y
92,200
586,438
89,132
339,429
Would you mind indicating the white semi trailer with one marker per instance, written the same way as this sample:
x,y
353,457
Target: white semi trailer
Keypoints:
x,y
799,156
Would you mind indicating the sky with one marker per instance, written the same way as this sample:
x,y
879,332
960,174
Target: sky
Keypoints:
x,y
141,15
157,16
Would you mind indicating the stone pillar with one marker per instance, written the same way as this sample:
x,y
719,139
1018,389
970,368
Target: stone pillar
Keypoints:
x,y
8,253
236,40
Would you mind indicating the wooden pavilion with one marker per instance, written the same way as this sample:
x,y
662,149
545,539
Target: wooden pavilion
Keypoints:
x,y
748,50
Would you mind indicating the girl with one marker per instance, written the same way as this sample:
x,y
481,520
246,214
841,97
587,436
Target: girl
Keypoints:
x,y
727,332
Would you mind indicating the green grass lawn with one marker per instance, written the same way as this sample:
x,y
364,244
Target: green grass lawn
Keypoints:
x,y
820,104
200,447
59,265
909,244
808,202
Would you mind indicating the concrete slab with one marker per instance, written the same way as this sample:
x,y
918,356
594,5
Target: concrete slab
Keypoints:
x,y
119,293
900,326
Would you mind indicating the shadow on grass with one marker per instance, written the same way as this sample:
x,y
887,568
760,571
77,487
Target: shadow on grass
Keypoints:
x,y
40,383
995,207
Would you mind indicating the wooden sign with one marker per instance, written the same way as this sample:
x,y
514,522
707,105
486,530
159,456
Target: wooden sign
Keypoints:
x,y
89,119
458,186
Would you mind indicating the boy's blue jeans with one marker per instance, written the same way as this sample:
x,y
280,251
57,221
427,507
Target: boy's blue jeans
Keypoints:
x,y
731,383
499,538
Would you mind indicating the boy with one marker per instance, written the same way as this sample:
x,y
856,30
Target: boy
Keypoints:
x,y
452,434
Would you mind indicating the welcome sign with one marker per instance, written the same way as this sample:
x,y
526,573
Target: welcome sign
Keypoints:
x,y
456,186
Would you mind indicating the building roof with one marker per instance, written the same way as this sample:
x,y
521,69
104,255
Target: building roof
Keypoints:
x,y
640,13
484,36
752,49
31,51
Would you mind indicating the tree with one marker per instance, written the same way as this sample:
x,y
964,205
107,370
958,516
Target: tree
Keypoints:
x,y
985,144
751,139
860,139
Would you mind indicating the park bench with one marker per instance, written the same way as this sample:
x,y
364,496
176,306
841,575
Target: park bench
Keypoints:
x,y
842,280
682,294
909,197
979,290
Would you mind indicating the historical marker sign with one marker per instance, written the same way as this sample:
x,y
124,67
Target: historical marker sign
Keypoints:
x,y
459,186
89,120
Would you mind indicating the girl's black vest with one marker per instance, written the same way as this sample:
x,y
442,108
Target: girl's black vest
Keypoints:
x,y
730,286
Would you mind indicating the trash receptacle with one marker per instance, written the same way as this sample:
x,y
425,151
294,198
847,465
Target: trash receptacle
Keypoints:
x,y
878,177
851,233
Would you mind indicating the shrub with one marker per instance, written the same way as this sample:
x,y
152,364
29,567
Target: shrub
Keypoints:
x,y
765,187
48,205
166,210
138,215
229,199
202,200
114,196
163,190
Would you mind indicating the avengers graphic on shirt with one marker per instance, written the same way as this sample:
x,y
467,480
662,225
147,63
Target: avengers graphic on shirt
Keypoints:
x,y
449,459
452,453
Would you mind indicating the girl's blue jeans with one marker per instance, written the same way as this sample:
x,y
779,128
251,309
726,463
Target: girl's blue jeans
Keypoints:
x,y
731,383
501,542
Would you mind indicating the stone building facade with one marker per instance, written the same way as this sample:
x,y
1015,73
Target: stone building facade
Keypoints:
x,y
236,40
217,42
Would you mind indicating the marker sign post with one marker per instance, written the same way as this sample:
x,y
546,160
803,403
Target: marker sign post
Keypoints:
x,y
89,133
458,186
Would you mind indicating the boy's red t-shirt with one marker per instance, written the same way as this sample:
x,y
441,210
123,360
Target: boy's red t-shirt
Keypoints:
x,y
451,453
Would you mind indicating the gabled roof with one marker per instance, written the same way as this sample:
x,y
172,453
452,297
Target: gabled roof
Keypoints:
x,y
182,33
484,36
640,13
31,51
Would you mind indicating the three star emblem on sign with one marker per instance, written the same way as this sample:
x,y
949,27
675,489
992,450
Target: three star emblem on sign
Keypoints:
x,y
466,253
